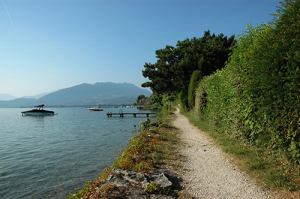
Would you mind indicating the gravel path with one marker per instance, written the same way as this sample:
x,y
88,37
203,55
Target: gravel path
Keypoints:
x,y
209,172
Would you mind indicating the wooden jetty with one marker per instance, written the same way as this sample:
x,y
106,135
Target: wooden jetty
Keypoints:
x,y
109,114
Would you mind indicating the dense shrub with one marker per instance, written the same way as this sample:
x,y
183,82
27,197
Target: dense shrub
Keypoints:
x,y
201,97
183,99
219,101
256,97
196,77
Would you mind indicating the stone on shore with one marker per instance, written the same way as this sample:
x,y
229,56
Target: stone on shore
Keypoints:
x,y
132,185
121,177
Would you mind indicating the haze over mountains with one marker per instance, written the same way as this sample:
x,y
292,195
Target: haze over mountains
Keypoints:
x,y
104,93
6,96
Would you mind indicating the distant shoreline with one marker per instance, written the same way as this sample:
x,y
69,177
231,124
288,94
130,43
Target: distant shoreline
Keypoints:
x,y
68,106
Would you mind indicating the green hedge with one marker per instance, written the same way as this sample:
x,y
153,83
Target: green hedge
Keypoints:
x,y
196,77
256,98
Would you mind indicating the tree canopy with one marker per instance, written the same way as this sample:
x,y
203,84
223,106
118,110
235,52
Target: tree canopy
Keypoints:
x,y
141,97
175,65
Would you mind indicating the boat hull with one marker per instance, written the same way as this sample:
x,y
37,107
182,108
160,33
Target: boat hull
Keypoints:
x,y
38,112
94,109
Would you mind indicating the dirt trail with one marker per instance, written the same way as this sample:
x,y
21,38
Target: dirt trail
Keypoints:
x,y
209,171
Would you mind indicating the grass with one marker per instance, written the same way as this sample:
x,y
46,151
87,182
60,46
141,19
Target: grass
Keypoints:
x,y
269,168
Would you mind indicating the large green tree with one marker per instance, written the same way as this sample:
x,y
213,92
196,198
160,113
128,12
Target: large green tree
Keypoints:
x,y
175,65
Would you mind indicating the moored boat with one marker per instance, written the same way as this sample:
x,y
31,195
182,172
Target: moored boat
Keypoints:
x,y
38,111
94,109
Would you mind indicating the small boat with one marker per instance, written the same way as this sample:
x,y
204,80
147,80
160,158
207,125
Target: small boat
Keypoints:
x,y
94,109
38,111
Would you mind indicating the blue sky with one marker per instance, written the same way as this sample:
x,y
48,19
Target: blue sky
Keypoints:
x,y
46,45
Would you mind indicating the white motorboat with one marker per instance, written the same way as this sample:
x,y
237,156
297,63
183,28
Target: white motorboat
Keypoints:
x,y
94,109
38,111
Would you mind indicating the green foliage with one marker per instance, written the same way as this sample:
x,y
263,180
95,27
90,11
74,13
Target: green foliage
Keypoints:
x,y
201,97
156,99
272,80
153,188
269,167
224,102
175,66
141,97
183,98
162,114
156,106
256,97
168,100
142,150
196,77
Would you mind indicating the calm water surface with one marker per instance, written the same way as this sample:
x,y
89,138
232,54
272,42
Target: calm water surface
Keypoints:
x,y
53,156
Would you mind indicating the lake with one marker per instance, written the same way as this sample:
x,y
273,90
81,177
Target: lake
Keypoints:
x,y
53,156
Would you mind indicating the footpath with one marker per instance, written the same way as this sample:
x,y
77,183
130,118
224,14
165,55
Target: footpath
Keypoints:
x,y
208,171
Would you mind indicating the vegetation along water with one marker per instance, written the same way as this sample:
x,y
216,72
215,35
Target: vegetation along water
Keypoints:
x,y
244,89
53,156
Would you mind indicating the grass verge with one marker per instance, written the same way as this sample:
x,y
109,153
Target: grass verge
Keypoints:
x,y
269,168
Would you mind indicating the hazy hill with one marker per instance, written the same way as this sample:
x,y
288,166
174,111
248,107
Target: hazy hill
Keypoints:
x,y
6,96
85,94
17,103
36,96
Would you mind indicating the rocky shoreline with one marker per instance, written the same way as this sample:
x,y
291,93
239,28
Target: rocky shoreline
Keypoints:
x,y
131,184
143,169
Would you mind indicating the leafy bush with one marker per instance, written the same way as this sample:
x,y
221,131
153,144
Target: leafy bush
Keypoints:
x,y
256,96
196,77
183,99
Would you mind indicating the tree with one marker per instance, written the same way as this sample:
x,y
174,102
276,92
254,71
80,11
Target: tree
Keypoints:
x,y
156,99
161,74
175,66
141,97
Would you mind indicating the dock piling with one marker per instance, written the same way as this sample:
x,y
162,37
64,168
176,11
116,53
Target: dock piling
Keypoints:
x,y
110,114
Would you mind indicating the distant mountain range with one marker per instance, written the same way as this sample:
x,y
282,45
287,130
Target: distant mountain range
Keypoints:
x,y
37,96
104,93
7,97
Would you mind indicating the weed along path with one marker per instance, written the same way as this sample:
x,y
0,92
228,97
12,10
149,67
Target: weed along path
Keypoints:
x,y
208,172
